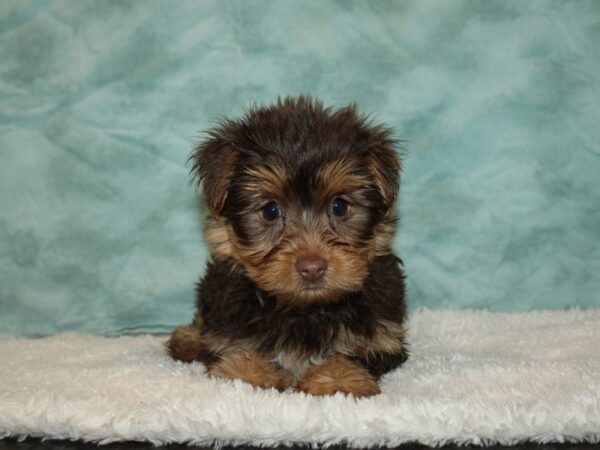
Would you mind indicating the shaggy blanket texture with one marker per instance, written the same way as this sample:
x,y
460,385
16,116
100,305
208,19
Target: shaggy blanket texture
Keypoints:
x,y
473,377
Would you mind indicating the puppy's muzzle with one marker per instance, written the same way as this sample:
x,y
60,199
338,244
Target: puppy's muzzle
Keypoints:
x,y
312,268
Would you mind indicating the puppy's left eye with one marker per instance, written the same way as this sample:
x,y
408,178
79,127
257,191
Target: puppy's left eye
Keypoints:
x,y
271,211
339,207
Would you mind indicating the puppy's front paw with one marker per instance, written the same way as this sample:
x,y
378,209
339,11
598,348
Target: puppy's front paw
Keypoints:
x,y
184,343
251,368
338,375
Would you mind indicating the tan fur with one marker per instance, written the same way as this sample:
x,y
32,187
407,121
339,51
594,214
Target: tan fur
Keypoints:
x,y
276,273
384,235
219,345
217,236
380,181
269,181
251,368
337,178
295,362
387,339
215,191
338,375
185,343
346,272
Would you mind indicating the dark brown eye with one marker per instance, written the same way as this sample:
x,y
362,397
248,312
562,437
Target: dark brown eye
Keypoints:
x,y
271,211
339,207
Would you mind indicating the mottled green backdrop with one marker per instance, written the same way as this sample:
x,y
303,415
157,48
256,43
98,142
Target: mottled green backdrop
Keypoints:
x,y
101,102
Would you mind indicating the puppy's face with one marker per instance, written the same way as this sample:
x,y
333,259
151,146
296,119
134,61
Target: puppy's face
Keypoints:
x,y
300,196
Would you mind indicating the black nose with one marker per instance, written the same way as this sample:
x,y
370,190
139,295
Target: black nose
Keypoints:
x,y
312,268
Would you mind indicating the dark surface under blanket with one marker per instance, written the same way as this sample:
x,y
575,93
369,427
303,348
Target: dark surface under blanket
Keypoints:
x,y
13,444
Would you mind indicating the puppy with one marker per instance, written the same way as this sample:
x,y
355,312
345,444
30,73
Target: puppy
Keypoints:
x,y
302,289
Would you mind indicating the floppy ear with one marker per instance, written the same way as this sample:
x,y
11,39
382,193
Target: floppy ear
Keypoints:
x,y
212,166
385,166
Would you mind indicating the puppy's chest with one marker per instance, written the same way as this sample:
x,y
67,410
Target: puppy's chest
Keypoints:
x,y
298,345
296,358
295,338
323,329
296,362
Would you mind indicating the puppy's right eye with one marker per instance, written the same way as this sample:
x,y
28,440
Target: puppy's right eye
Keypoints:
x,y
339,207
271,211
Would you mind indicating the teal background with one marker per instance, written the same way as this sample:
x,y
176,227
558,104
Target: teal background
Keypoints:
x,y
101,103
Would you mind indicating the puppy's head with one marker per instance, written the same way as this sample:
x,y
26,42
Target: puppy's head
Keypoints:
x,y
299,195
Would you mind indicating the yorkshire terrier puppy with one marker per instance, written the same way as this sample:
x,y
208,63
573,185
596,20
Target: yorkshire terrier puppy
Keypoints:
x,y
303,289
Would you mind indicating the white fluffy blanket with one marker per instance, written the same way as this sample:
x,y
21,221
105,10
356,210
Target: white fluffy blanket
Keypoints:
x,y
473,377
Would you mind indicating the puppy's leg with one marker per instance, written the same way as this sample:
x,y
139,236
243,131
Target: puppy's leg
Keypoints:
x,y
252,368
338,374
384,351
185,343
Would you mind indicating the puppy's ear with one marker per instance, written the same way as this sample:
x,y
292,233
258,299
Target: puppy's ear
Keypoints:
x,y
385,166
212,167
